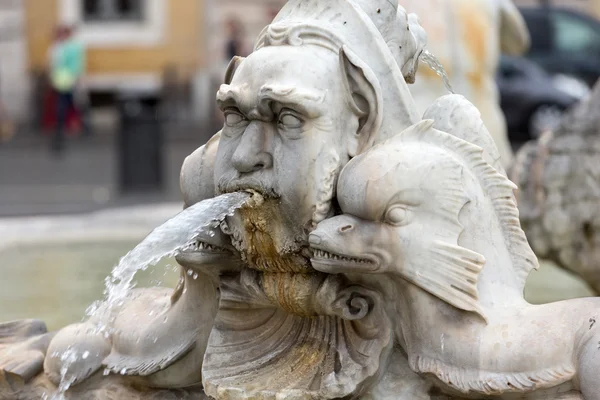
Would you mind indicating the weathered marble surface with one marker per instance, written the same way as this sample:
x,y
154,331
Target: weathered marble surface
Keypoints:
x,y
427,212
380,256
22,351
559,197
468,37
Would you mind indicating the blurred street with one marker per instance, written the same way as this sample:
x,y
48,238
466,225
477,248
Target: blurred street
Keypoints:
x,y
84,178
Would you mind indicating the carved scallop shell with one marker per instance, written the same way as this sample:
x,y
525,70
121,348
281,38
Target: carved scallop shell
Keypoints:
x,y
261,352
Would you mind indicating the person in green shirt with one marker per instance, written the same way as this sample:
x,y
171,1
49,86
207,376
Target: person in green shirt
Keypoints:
x,y
67,65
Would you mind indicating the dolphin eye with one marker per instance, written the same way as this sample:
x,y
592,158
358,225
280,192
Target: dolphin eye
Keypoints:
x,y
397,215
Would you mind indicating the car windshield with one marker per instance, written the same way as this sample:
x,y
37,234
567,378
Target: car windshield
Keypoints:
x,y
575,34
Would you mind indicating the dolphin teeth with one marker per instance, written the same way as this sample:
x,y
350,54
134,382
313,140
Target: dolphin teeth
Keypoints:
x,y
322,254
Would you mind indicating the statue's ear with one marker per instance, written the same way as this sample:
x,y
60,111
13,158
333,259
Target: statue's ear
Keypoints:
x,y
364,94
235,62
196,179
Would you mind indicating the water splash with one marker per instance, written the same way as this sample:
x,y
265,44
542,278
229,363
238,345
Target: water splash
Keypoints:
x,y
165,241
432,62
68,357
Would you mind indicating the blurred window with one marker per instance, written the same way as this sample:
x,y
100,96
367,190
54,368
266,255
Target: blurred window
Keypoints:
x,y
112,10
574,35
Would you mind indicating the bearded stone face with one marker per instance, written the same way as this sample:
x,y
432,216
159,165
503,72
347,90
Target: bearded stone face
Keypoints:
x,y
288,129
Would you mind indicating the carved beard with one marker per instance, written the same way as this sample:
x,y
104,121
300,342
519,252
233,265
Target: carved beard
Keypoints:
x,y
270,241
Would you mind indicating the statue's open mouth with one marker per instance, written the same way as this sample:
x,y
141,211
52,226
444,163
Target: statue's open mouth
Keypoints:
x,y
253,187
200,246
326,257
200,253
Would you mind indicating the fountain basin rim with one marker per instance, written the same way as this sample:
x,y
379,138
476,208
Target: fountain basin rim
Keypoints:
x,y
105,226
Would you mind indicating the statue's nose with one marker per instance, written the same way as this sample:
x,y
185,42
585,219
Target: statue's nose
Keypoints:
x,y
331,229
252,153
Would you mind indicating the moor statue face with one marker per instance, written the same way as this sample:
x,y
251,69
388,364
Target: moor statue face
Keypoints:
x,y
290,125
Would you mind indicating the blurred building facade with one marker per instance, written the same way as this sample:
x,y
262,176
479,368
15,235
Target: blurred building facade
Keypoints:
x,y
252,17
249,18
128,42
136,43
14,80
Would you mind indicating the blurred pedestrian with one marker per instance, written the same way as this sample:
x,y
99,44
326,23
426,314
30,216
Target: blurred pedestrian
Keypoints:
x,y
67,64
234,45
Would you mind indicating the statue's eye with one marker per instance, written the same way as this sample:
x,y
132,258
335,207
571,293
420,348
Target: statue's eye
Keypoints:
x,y
288,119
397,215
233,117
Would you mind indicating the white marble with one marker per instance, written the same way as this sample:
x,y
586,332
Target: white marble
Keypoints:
x,y
380,255
426,211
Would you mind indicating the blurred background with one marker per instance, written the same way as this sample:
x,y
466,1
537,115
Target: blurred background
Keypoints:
x,y
143,59
136,85
559,69
165,58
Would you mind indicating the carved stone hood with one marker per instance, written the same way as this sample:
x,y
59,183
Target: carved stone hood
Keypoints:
x,y
346,24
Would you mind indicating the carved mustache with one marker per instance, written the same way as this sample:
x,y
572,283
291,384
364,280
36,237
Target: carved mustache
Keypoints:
x,y
229,183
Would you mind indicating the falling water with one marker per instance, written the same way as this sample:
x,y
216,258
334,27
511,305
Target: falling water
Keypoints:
x,y
163,241
67,358
432,62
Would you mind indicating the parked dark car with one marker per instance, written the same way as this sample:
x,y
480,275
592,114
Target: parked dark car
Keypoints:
x,y
564,41
532,100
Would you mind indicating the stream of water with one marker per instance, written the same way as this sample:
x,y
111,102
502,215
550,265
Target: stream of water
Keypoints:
x,y
432,62
163,241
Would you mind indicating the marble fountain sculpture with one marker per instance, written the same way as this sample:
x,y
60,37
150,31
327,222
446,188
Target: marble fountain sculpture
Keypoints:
x,y
468,37
559,195
336,245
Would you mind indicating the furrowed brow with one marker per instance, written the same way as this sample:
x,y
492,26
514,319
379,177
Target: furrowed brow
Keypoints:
x,y
227,96
306,101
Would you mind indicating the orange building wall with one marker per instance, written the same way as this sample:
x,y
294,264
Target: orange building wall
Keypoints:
x,y
40,20
183,44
